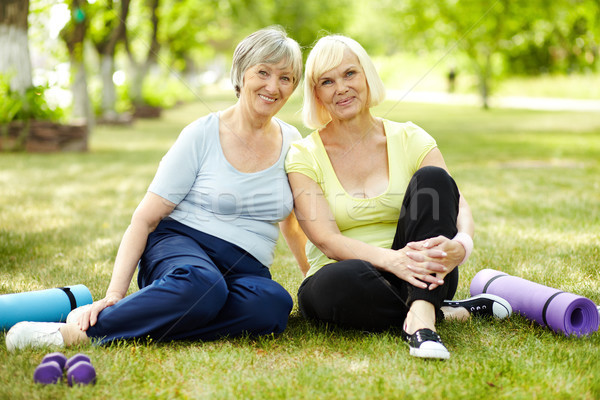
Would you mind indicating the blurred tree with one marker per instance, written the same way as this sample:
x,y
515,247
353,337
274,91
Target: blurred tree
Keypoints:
x,y
192,32
221,24
190,25
140,69
199,32
388,37
566,40
14,46
480,29
74,34
106,29
306,20
176,36
494,34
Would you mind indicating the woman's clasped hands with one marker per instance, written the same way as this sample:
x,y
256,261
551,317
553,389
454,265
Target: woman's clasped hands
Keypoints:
x,y
427,262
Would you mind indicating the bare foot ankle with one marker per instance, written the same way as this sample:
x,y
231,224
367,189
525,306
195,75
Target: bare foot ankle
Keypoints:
x,y
456,313
413,323
73,335
421,315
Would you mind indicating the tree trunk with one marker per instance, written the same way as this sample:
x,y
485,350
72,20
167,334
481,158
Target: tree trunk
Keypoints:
x,y
138,73
484,91
74,34
82,106
140,70
483,68
106,48
109,96
14,47
484,81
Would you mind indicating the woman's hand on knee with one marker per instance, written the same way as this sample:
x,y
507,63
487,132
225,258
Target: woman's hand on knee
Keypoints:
x,y
425,274
445,251
453,253
416,268
439,250
426,244
90,316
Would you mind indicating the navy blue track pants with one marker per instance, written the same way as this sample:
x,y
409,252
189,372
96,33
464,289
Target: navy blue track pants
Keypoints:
x,y
195,286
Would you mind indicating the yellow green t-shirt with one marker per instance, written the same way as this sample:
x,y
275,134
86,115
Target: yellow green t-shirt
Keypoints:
x,y
370,220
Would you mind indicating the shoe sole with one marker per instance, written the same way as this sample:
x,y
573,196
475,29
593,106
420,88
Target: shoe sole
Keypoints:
x,y
420,353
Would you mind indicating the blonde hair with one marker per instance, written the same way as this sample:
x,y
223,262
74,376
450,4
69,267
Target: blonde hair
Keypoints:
x,y
326,55
269,46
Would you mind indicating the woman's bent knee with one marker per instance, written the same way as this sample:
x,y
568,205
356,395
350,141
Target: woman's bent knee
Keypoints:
x,y
269,309
433,177
198,289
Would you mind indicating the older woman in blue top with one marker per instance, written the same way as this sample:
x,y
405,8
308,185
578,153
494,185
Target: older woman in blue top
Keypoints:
x,y
205,232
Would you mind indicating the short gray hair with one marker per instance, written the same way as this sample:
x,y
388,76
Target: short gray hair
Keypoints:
x,y
269,46
327,54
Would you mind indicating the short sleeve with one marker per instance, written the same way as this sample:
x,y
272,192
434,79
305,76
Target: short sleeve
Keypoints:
x,y
418,144
290,132
295,134
301,159
180,166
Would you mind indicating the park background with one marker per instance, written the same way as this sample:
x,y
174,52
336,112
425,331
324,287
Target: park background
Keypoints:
x,y
519,128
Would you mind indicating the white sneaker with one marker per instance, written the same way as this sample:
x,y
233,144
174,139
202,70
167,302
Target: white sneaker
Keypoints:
x,y
76,313
425,343
34,334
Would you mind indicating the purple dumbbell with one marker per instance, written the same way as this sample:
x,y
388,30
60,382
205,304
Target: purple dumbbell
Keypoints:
x,y
58,357
81,373
75,359
48,372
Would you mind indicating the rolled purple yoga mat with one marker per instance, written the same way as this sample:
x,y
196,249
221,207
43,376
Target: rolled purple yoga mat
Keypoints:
x,y
560,311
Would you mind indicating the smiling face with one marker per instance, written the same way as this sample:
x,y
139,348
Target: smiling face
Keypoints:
x,y
343,91
267,87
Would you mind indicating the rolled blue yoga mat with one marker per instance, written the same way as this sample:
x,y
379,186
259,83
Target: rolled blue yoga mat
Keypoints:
x,y
50,305
562,312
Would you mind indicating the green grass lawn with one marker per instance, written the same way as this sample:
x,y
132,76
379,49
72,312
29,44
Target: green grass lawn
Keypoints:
x,y
532,180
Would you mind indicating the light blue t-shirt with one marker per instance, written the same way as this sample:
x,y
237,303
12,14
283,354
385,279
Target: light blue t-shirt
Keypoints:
x,y
214,197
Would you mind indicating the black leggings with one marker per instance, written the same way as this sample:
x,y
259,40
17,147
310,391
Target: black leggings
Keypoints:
x,y
354,294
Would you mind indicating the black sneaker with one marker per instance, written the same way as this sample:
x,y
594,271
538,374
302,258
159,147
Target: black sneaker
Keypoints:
x,y
425,343
485,305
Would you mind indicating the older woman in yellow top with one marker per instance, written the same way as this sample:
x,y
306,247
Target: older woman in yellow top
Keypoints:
x,y
386,222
